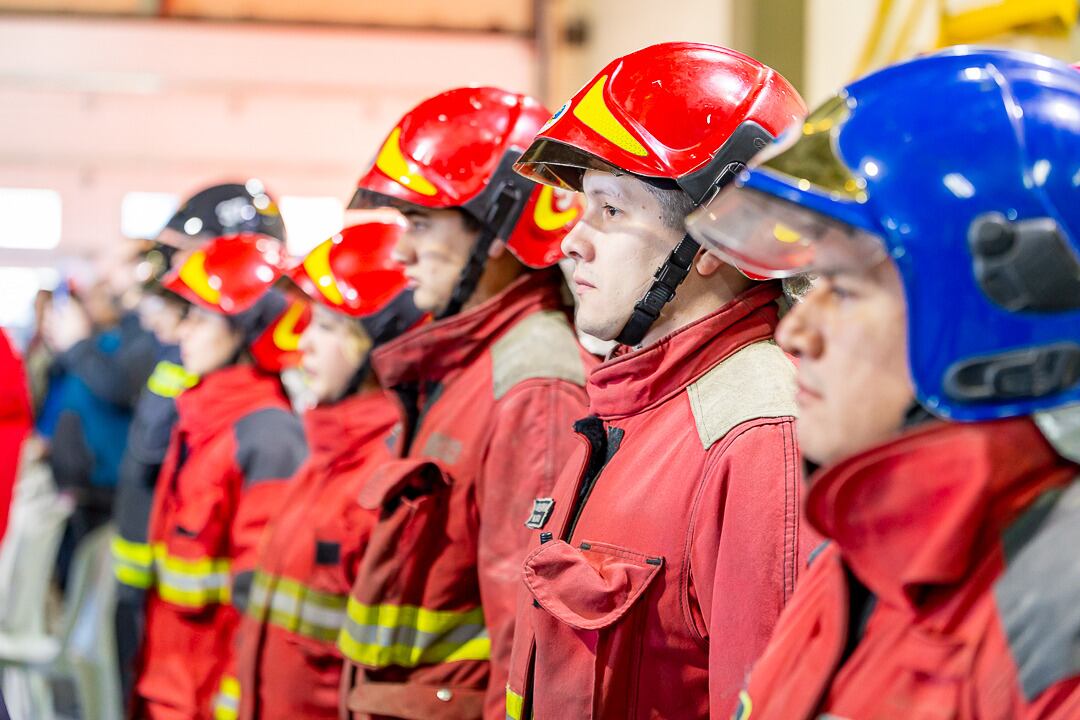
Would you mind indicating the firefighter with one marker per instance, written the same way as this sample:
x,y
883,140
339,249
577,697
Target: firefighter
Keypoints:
x,y
288,665
488,393
216,210
660,562
938,355
235,443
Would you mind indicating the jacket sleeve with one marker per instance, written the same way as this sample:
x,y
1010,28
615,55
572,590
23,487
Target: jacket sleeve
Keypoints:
x,y
748,547
270,448
531,439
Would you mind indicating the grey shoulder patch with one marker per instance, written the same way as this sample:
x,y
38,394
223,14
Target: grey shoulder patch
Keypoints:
x,y
1037,594
270,445
543,345
758,381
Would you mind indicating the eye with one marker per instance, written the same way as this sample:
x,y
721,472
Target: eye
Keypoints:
x,y
610,211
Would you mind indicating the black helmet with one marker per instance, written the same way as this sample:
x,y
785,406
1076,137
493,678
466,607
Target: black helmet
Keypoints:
x,y
229,209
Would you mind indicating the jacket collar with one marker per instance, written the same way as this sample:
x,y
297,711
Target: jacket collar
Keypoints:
x,y
635,381
431,351
223,397
338,433
920,510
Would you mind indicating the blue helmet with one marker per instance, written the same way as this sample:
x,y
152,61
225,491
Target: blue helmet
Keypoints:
x,y
964,168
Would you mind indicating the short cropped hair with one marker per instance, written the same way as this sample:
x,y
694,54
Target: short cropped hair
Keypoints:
x,y
675,205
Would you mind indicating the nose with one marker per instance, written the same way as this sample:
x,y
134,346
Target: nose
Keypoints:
x,y
798,332
305,345
403,251
577,246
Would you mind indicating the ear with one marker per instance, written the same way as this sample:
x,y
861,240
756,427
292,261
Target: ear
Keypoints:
x,y
498,247
707,264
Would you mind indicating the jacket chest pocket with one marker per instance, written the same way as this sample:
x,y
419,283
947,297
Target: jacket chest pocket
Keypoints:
x,y
589,625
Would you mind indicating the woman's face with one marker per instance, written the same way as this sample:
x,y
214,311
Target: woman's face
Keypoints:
x,y
207,341
334,348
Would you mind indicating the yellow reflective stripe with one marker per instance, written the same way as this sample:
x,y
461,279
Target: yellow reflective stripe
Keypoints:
x,y
745,708
170,379
133,577
135,553
594,112
133,562
408,635
296,607
227,700
515,704
392,162
191,583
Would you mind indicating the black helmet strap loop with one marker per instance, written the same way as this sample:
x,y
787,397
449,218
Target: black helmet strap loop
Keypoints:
x,y
667,279
702,186
506,201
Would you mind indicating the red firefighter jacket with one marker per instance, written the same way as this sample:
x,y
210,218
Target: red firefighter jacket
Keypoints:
x,y
949,589
489,398
235,443
15,422
661,561
288,665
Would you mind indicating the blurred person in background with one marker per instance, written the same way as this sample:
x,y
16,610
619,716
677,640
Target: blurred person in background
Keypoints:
x,y
488,393
288,665
16,421
216,210
224,476
102,356
939,389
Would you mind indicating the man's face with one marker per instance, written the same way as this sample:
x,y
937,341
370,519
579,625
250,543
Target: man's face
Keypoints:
x,y
207,341
434,250
334,348
850,335
616,248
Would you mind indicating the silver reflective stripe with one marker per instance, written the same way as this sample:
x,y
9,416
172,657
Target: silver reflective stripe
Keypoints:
x,y
381,636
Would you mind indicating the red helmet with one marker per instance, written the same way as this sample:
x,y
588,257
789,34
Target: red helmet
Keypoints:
x,y
686,115
353,273
684,112
233,275
456,150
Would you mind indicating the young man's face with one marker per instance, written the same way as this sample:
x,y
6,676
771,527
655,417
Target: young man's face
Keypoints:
x,y
616,248
850,335
434,250
207,341
334,348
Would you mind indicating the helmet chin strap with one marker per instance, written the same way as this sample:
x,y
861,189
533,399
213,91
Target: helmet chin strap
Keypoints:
x,y
469,279
667,279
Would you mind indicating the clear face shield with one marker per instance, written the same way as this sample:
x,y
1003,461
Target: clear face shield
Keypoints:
x,y
769,236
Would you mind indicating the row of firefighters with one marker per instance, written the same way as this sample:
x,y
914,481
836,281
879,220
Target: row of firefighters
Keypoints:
x,y
480,519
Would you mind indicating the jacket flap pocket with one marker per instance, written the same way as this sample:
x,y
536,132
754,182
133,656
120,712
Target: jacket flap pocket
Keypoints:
x,y
407,478
591,586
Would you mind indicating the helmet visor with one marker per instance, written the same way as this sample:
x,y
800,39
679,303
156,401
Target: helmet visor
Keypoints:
x,y
767,236
550,162
807,158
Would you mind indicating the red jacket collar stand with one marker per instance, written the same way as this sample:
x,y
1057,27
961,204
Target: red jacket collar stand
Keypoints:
x,y
338,431
635,381
431,351
223,397
919,511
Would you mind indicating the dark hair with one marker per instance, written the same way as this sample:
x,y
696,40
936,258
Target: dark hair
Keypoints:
x,y
675,205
